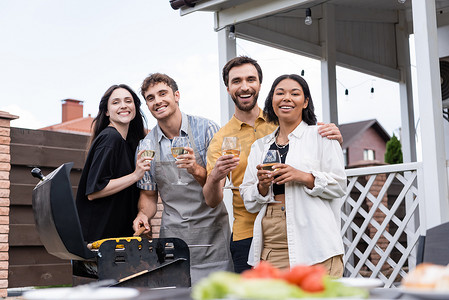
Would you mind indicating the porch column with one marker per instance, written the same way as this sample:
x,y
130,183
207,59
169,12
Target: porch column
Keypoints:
x,y
430,111
226,51
328,71
408,131
5,167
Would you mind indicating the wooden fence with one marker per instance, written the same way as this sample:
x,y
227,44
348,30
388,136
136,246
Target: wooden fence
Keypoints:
x,y
29,262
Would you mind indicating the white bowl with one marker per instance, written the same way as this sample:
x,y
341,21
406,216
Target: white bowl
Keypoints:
x,y
82,293
363,283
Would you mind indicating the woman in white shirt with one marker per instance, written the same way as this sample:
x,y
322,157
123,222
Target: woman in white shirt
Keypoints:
x,y
301,225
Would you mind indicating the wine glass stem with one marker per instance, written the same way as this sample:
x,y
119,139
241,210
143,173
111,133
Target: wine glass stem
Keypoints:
x,y
179,175
230,179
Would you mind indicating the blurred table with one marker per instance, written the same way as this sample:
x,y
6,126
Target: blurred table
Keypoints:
x,y
184,294
165,294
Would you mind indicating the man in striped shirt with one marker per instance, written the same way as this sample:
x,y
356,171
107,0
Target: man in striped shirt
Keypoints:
x,y
180,182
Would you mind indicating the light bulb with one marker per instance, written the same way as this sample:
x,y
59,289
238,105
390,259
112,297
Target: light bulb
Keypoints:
x,y
302,72
308,20
402,1
231,34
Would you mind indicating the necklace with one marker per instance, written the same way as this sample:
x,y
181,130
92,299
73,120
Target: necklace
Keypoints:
x,y
280,146
277,145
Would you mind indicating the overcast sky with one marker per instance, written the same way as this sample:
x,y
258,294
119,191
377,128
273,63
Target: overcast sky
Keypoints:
x,y
57,49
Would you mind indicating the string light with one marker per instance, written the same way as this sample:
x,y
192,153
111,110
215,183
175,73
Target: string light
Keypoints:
x,y
308,20
357,85
302,72
402,1
231,34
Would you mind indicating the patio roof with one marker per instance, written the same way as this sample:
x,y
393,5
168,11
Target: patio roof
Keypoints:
x,y
363,35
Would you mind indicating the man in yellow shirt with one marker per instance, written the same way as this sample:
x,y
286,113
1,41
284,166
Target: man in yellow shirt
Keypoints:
x,y
243,77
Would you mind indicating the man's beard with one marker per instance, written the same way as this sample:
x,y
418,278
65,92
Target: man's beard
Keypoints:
x,y
247,107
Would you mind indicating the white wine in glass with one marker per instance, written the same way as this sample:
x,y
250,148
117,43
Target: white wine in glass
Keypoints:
x,y
271,158
175,151
147,146
235,152
178,148
230,146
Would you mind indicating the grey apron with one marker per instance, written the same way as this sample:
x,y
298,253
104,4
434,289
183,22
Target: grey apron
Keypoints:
x,y
206,230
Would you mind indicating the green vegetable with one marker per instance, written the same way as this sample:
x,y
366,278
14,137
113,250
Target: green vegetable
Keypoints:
x,y
221,285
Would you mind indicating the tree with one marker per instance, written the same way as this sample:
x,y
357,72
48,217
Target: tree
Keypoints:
x,y
393,155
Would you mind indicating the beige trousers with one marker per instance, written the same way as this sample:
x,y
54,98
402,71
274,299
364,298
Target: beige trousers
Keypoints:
x,y
274,228
275,250
334,266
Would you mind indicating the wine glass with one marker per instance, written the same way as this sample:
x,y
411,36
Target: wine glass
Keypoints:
x,y
230,145
271,158
178,148
148,146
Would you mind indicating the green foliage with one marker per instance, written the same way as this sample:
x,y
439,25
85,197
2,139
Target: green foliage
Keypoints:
x,y
393,155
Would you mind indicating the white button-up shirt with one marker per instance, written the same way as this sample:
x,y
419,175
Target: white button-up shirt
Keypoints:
x,y
312,215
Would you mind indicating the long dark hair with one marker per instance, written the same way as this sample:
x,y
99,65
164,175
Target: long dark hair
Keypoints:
x,y
308,113
136,130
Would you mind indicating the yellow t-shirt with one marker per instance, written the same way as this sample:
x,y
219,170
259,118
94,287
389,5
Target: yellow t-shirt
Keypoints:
x,y
243,220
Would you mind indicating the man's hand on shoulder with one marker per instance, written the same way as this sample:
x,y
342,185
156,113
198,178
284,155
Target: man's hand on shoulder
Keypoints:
x,y
330,131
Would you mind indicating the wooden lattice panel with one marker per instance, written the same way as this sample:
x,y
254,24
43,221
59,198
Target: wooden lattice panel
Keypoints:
x,y
380,222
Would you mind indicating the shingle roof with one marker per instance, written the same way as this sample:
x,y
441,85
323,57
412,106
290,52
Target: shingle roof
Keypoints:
x,y
350,131
80,126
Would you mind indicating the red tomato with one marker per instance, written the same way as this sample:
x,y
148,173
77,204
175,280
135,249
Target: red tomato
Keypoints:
x,y
313,283
309,278
297,274
262,270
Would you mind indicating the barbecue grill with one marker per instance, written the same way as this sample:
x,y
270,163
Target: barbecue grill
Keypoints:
x,y
131,262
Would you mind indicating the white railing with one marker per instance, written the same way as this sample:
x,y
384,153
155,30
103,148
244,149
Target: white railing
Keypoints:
x,y
380,221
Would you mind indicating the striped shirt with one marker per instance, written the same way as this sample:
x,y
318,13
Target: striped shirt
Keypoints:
x,y
203,131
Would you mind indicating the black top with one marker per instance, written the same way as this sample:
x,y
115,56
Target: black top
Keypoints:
x,y
279,189
110,157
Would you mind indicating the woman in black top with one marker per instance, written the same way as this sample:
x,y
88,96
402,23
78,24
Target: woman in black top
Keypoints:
x,y
107,195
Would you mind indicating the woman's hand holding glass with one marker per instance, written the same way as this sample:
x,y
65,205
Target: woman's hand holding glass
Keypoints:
x,y
265,172
281,174
286,173
145,154
146,149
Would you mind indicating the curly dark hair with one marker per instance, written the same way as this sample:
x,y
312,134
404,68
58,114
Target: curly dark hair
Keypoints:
x,y
238,61
136,130
308,113
155,78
